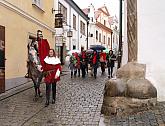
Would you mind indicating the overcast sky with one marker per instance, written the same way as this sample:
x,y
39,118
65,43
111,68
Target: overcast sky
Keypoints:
x,y
112,5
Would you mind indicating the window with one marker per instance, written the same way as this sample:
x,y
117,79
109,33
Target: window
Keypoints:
x,y
104,39
74,21
91,19
63,11
104,22
108,40
96,35
99,37
82,28
74,47
38,3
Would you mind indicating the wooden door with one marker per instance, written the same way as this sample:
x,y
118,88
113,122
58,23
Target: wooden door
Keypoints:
x,y
2,59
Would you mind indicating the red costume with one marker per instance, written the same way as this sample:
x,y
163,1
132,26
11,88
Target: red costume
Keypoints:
x,y
103,56
52,67
83,55
43,50
94,59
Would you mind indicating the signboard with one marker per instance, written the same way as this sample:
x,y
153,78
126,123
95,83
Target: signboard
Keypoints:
x,y
59,40
69,33
58,20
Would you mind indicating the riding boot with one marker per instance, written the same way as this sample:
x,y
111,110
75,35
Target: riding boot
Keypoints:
x,y
53,92
47,94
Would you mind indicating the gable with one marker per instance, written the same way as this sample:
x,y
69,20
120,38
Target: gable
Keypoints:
x,y
104,9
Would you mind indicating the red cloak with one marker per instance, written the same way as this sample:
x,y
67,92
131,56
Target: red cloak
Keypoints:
x,y
43,49
51,72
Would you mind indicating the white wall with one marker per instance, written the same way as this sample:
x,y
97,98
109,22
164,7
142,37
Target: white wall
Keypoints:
x,y
151,41
78,39
83,38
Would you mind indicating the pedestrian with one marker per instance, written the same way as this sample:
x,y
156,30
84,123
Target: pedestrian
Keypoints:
x,y
95,63
102,61
52,68
111,58
78,64
83,63
72,65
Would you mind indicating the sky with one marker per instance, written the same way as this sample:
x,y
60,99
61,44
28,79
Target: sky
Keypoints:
x,y
112,5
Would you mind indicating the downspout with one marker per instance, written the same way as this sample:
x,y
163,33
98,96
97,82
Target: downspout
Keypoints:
x,y
111,39
70,44
120,36
78,33
87,33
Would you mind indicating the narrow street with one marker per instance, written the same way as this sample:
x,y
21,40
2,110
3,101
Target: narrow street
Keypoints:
x,y
78,103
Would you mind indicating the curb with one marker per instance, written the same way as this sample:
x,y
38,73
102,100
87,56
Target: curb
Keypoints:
x,y
14,91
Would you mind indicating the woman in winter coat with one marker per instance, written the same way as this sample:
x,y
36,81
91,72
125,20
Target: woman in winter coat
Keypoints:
x,y
95,62
52,68
111,58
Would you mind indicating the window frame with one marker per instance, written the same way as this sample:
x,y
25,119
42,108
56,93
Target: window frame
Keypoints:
x,y
99,37
74,21
63,10
82,27
97,34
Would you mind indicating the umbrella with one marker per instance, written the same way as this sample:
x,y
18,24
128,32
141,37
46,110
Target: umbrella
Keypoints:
x,y
89,51
97,47
73,51
106,50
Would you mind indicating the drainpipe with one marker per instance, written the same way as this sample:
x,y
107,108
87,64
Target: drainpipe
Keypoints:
x,y
120,35
87,33
111,39
70,44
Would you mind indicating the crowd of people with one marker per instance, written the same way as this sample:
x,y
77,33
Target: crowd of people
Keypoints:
x,y
81,62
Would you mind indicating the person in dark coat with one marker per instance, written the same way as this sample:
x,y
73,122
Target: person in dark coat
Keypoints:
x,y
95,62
83,63
111,58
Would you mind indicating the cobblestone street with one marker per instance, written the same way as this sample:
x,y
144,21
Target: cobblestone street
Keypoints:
x,y
78,103
153,117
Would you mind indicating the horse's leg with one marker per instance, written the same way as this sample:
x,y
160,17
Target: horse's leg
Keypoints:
x,y
38,84
35,85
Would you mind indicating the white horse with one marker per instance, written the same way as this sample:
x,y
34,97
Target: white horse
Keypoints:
x,y
34,68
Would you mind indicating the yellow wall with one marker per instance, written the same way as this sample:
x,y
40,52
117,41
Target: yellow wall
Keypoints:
x,y
26,5
17,30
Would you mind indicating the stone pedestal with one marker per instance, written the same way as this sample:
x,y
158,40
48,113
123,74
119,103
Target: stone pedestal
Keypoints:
x,y
130,92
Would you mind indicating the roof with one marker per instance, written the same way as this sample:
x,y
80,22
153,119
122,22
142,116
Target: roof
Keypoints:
x,y
77,9
86,10
104,9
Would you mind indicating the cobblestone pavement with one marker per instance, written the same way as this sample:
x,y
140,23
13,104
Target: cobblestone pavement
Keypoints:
x,y
153,117
78,103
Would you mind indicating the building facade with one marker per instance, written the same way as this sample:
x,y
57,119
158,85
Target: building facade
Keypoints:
x,y
74,31
150,36
19,22
101,26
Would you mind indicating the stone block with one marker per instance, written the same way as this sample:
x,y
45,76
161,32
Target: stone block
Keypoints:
x,y
141,88
131,70
115,87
